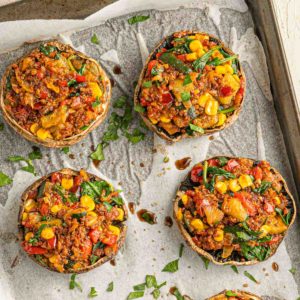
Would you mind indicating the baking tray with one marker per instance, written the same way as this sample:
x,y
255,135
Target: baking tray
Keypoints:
x,y
263,14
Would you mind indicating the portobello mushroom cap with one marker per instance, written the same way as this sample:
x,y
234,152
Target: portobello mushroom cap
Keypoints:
x,y
21,231
178,136
243,295
213,255
68,141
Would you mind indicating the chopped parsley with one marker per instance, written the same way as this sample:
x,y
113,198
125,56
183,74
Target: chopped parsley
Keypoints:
x,y
74,283
137,19
4,179
92,293
110,287
94,39
171,267
251,277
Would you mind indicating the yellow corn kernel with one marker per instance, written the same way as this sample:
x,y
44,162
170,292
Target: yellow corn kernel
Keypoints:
x,y
30,204
53,222
219,235
56,208
221,187
91,218
77,266
236,77
47,233
84,174
28,236
277,200
24,216
87,202
211,107
153,121
179,214
200,52
121,214
165,119
54,259
114,230
96,91
221,120
191,56
197,224
195,45
234,185
228,69
264,230
184,199
43,134
67,183
204,98
59,267
34,128
220,70
157,78
245,181
192,37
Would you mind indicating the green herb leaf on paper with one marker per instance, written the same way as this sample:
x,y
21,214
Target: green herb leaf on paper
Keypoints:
x,y
251,277
171,267
110,287
137,19
93,293
94,39
4,179
74,283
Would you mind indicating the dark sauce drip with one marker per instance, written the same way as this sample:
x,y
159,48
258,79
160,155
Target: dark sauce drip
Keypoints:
x,y
145,215
112,262
96,162
275,267
117,70
131,206
112,82
168,221
183,163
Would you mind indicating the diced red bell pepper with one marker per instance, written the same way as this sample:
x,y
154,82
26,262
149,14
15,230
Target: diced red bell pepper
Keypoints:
x,y
56,177
44,209
246,202
40,75
182,57
144,102
63,83
37,106
86,248
52,242
196,174
257,173
166,98
94,235
77,182
226,91
213,162
80,78
110,239
43,95
231,164
150,66
274,240
162,50
268,207
34,249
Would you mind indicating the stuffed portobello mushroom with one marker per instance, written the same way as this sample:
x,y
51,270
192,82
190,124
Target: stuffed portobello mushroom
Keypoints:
x,y
234,295
234,210
54,95
191,85
71,222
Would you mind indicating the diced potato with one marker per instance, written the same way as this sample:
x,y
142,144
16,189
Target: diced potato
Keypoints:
x,y
206,121
153,121
197,224
59,116
96,91
227,250
30,205
213,215
245,181
24,216
219,235
234,185
221,70
178,88
91,218
169,127
228,69
56,208
211,107
84,175
229,80
277,200
276,225
265,229
233,207
87,202
121,214
221,187
222,119
114,230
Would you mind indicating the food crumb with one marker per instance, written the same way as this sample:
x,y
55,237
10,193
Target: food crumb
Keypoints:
x,y
275,267
72,156
168,221
245,285
142,165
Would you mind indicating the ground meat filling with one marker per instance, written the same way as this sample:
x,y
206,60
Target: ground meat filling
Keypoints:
x,y
72,221
53,93
191,84
235,209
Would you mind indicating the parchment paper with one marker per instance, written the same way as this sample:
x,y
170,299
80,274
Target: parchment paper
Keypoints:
x,y
153,184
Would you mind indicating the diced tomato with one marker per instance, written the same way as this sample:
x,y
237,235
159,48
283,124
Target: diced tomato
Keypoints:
x,y
52,242
80,78
151,64
34,250
196,174
63,83
40,75
274,240
56,177
181,57
37,106
213,162
144,102
246,202
89,100
94,235
162,50
86,248
190,193
77,182
44,209
268,207
231,164
43,95
167,98
226,91
257,173
110,239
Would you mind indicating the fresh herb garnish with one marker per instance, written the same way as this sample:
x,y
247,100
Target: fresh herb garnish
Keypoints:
x,y
8,83
147,84
98,153
222,161
150,281
1,126
37,235
84,127
196,128
65,150
293,270
181,250
177,294
110,287
72,82
139,287
4,179
92,293
139,108
96,102
107,206
137,19
135,137
47,50
78,216
235,269
230,294
74,283
200,63
187,80
82,69
216,61
120,102
149,217
285,218
176,63
205,261
35,154
98,245
171,267
185,96
156,293
251,277
135,295
263,187
94,39
95,189
227,110
93,259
